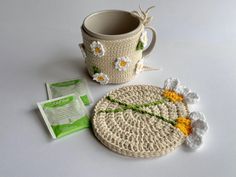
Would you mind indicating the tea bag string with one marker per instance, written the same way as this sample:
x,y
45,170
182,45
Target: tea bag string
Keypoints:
x,y
143,15
148,68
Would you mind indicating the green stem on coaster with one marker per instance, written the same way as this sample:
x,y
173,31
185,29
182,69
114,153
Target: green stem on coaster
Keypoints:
x,y
136,108
135,105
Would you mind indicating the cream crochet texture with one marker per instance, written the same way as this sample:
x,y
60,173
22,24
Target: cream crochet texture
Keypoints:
x,y
136,134
113,50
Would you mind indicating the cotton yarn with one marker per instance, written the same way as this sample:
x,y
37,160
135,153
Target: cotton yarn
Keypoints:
x,y
131,129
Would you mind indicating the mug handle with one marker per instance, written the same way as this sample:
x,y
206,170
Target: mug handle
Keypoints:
x,y
149,49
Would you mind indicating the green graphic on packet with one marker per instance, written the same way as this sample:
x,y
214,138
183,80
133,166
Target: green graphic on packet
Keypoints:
x,y
64,115
78,87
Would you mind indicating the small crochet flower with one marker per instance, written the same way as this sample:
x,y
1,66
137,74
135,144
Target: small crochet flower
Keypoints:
x,y
198,128
122,63
101,78
139,66
177,92
97,48
144,38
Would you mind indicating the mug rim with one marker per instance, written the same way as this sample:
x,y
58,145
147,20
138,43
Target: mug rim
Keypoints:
x,y
110,36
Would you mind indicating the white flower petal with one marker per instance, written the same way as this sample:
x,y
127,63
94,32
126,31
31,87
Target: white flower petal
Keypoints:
x,y
182,90
100,54
97,49
193,141
196,115
192,98
97,77
199,127
171,84
121,67
143,38
94,44
139,66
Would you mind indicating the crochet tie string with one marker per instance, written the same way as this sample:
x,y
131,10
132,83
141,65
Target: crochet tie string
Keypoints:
x,y
143,15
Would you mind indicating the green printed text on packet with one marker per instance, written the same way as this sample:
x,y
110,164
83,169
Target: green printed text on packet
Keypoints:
x,y
64,115
78,87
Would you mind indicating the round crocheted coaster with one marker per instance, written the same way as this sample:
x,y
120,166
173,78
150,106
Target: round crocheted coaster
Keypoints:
x,y
138,121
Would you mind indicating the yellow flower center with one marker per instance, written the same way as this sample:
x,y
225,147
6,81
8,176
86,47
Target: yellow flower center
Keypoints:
x,y
184,125
97,50
123,63
183,120
173,96
100,78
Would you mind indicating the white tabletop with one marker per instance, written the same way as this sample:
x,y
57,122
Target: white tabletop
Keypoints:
x,y
38,43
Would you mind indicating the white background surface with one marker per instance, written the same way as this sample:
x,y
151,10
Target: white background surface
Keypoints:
x,y
38,43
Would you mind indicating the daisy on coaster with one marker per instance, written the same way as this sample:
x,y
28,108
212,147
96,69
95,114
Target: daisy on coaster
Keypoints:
x,y
101,78
176,92
199,127
97,48
122,63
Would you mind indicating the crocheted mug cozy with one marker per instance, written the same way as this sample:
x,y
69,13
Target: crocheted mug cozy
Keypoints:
x,y
148,121
113,44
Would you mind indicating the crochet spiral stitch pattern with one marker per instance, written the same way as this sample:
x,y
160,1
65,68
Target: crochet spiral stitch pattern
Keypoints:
x,y
138,121
148,121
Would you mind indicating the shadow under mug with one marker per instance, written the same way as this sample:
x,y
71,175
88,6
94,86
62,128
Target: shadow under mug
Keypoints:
x,y
110,40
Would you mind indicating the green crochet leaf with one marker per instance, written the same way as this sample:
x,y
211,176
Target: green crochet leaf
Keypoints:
x,y
140,46
96,70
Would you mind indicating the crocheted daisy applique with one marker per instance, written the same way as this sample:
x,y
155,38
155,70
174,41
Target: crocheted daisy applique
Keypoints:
x,y
101,78
122,63
199,127
97,49
193,126
177,92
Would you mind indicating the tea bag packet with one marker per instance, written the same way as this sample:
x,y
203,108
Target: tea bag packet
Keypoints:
x,y
64,115
78,87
